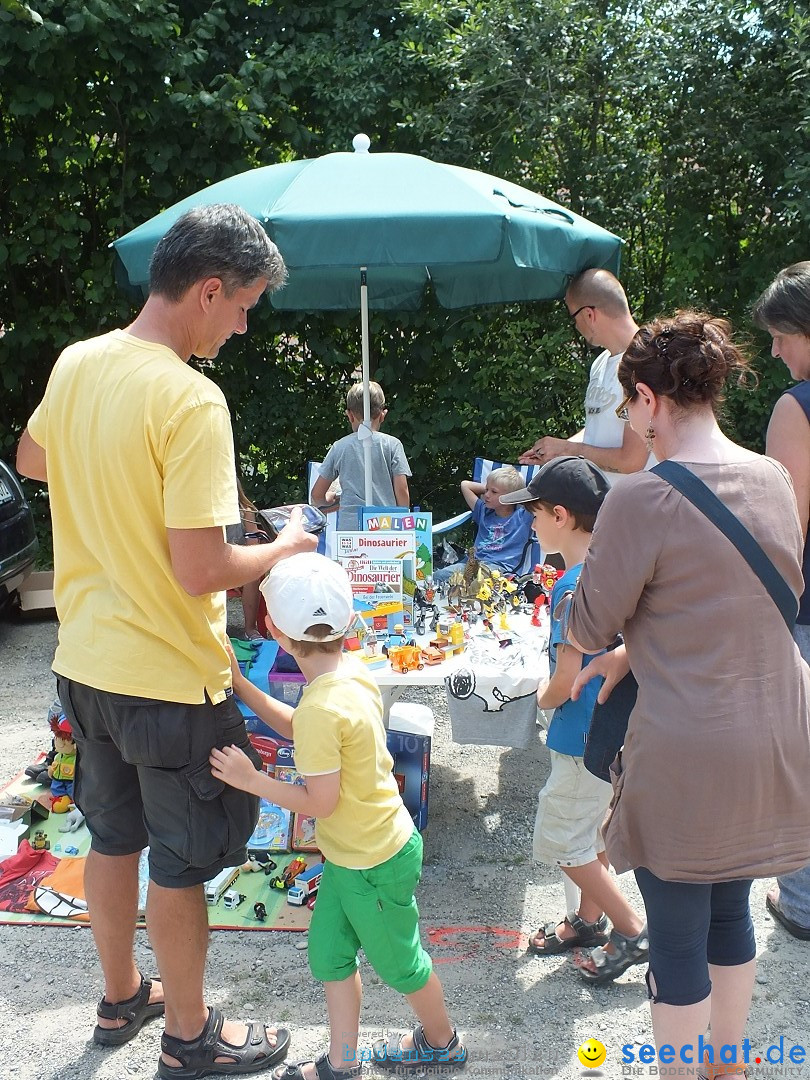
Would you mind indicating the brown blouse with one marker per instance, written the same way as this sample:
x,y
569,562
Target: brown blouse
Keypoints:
x,y
716,763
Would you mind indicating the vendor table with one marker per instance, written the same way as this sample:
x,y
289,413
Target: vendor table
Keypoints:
x,y
392,683
490,690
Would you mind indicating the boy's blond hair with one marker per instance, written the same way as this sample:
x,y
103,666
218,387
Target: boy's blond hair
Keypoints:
x,y
376,398
307,648
506,478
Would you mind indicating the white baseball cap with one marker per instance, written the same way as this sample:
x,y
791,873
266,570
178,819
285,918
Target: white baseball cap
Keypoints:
x,y
308,590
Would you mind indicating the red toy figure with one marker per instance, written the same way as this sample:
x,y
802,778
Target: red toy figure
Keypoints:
x,y
539,604
550,575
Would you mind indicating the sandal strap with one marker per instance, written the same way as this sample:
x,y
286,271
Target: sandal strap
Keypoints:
x,y
128,1009
188,1051
627,951
582,928
626,945
420,1043
327,1071
429,1052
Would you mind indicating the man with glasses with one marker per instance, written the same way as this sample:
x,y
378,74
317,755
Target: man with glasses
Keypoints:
x,y
598,308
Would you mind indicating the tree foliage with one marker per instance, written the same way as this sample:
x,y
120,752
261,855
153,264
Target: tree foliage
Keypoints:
x,y
682,127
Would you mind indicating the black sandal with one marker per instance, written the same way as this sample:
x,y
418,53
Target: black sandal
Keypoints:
x,y
135,1011
323,1066
586,934
390,1054
627,951
198,1056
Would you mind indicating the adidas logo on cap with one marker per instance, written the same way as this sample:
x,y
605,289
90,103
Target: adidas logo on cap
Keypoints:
x,y
319,613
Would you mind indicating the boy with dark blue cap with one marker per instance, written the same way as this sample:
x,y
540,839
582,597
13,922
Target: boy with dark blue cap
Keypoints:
x,y
564,499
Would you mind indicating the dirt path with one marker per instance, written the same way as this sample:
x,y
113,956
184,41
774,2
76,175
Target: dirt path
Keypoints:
x,y
521,1017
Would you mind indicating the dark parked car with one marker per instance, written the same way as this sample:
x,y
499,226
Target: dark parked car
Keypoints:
x,y
18,542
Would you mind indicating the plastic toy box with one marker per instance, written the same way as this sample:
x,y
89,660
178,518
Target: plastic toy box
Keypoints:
x,y
409,741
284,679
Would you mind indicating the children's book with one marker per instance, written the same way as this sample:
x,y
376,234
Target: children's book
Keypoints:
x,y
397,519
303,835
303,827
272,832
381,568
378,593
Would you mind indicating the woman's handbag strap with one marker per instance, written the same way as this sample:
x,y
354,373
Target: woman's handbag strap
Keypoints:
x,y
693,488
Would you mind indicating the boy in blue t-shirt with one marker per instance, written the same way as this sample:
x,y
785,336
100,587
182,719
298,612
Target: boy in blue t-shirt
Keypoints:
x,y
564,499
503,531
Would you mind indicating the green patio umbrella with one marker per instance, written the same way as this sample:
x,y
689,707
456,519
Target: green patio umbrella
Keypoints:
x,y
363,230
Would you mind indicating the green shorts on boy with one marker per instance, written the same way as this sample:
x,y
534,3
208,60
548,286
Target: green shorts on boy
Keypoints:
x,y
372,852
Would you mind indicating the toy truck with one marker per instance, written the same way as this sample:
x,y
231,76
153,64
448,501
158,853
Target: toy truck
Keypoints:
x,y
306,885
405,658
217,885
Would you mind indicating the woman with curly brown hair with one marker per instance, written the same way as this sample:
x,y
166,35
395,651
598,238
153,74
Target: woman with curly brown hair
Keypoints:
x,y
711,787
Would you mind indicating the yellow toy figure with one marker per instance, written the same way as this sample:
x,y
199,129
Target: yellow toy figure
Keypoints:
x,y
63,770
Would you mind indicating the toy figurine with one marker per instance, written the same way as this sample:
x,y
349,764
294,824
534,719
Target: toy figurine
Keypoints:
x,y
260,911
371,645
550,577
424,601
63,770
539,604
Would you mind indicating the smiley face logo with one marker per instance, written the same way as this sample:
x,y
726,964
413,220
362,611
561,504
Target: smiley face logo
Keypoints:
x,y
592,1053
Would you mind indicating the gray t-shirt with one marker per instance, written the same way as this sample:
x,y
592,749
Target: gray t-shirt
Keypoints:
x,y
345,461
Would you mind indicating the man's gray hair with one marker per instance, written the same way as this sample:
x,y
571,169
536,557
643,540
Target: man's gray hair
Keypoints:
x,y
220,240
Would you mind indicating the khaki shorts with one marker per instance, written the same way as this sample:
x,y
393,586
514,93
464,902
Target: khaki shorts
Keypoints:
x,y
143,777
570,812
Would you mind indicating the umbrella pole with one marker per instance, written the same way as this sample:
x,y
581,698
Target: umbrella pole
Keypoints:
x,y
366,399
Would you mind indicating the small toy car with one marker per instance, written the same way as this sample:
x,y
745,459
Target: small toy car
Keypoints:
x,y
288,875
232,899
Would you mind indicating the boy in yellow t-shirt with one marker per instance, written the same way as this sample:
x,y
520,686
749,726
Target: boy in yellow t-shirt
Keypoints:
x,y
372,852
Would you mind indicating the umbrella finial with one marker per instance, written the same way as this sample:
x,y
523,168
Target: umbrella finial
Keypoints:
x,y
361,143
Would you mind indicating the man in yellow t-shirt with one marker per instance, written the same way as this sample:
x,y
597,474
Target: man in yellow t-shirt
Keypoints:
x,y
372,852
137,451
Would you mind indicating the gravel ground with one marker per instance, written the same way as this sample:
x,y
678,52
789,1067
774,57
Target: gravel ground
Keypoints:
x,y
520,1016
